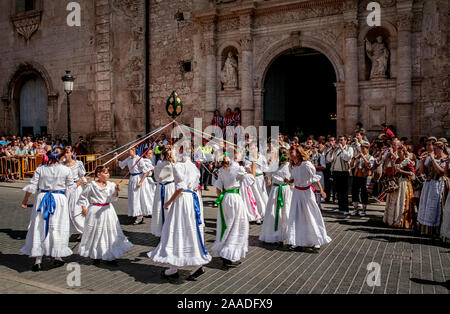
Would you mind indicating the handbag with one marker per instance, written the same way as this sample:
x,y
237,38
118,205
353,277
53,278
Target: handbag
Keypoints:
x,y
389,185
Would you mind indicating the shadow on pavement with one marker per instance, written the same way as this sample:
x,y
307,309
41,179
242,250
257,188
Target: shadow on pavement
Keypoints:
x,y
430,282
15,234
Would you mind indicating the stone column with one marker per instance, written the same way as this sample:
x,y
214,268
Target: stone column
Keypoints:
x,y
104,139
210,47
247,105
404,97
351,105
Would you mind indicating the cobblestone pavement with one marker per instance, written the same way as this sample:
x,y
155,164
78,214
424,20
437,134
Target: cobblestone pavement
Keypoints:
x,y
408,263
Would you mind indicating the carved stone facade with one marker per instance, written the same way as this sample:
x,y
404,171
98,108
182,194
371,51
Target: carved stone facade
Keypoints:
x,y
107,56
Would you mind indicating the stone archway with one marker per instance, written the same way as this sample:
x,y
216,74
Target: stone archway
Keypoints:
x,y
11,95
291,44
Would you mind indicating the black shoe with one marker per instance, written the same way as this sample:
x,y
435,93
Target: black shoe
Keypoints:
x,y
229,263
138,222
197,273
173,276
57,263
36,267
205,189
96,262
112,263
313,250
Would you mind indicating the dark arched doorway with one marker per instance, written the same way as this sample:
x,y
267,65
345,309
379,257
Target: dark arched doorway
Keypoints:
x,y
299,94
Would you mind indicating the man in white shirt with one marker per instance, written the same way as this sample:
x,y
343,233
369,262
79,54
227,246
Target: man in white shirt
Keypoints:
x,y
340,158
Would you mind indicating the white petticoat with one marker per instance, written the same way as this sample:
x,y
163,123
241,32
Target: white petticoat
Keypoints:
x,y
248,197
180,244
268,233
157,221
234,244
76,218
147,196
56,244
103,237
305,224
135,196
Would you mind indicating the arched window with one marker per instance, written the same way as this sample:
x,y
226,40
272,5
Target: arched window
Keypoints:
x,y
25,5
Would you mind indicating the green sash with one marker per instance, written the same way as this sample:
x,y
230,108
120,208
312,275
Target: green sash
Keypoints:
x,y
258,175
222,217
280,203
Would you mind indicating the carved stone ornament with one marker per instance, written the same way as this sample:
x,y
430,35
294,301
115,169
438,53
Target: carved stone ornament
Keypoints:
x,y
351,29
26,25
246,43
404,21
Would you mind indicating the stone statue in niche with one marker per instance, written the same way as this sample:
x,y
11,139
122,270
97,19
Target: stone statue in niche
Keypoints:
x,y
378,53
229,74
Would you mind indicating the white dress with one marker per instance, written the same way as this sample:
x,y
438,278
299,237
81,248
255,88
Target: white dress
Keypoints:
x,y
275,229
164,180
261,198
55,177
445,226
305,225
233,244
147,189
430,205
182,239
73,194
248,197
134,194
103,237
261,167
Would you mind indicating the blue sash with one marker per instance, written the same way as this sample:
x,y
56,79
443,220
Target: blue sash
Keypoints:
x,y
49,204
135,174
198,218
163,197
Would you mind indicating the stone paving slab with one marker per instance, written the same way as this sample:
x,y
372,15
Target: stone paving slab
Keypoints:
x,y
408,263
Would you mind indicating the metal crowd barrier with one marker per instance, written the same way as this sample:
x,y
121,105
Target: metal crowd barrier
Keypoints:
x,y
21,166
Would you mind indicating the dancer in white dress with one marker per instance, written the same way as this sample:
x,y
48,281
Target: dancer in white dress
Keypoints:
x,y
49,229
163,191
306,228
274,228
73,194
136,167
256,188
259,166
445,225
182,240
103,238
232,223
245,190
147,185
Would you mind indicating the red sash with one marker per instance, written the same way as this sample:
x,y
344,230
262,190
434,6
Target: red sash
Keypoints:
x,y
100,205
306,188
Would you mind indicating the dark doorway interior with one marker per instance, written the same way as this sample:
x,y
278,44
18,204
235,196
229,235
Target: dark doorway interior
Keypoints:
x,y
299,94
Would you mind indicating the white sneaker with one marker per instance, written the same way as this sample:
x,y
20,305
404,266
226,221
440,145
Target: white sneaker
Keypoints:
x,y
336,210
360,206
346,213
362,214
354,213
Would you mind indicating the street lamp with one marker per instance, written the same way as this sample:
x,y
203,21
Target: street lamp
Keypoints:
x,y
68,80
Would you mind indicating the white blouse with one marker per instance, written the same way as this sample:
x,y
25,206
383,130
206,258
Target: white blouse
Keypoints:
x,y
261,164
280,174
54,177
229,179
78,171
148,165
163,171
94,194
305,174
186,176
130,162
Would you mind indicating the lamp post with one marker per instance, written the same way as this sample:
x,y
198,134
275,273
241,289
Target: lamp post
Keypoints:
x,y
68,80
